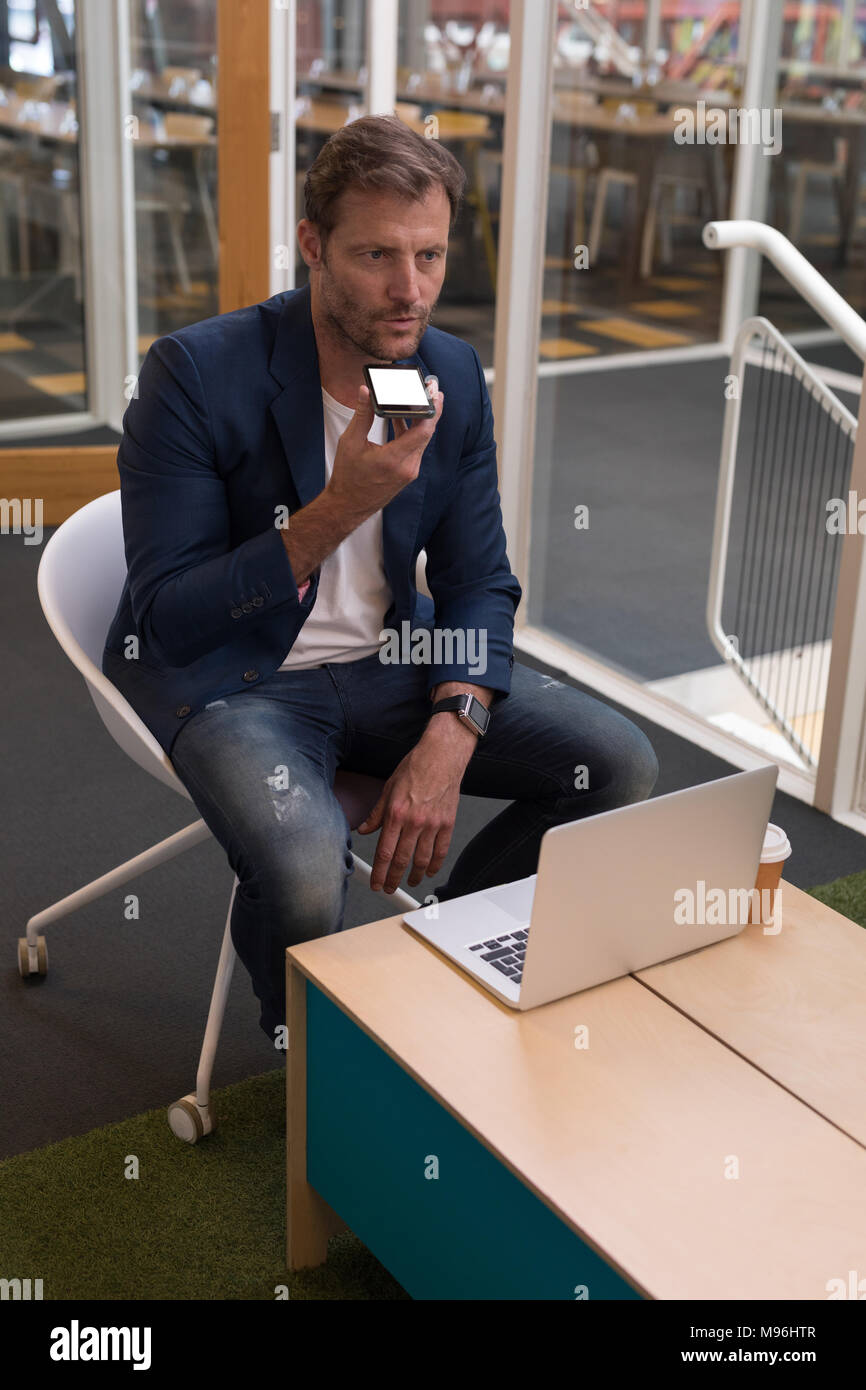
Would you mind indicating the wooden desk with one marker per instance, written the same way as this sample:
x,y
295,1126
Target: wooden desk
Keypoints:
x,y
607,1167
793,1004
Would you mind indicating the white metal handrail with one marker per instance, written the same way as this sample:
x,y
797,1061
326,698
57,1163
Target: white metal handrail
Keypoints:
x,y
852,329
833,309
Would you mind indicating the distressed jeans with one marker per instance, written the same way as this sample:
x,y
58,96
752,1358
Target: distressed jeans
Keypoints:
x,y
260,765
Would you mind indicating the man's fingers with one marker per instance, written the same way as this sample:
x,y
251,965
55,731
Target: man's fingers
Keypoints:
x,y
393,855
389,837
401,859
443,844
363,417
421,858
415,438
374,816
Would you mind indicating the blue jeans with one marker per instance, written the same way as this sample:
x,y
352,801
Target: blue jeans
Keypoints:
x,y
260,765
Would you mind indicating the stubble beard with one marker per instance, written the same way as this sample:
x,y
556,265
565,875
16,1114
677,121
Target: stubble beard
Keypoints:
x,y
354,328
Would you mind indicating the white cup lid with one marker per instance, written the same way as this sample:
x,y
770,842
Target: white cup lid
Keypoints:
x,y
776,845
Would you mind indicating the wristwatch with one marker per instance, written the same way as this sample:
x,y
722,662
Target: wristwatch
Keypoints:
x,y
467,708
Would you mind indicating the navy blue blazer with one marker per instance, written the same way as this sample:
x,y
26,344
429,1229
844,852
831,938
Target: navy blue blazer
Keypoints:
x,y
224,428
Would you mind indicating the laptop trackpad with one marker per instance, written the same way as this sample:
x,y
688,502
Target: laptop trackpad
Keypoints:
x,y
515,898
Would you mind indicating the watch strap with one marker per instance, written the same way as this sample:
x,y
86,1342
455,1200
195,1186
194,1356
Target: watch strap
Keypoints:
x,y
461,705
455,702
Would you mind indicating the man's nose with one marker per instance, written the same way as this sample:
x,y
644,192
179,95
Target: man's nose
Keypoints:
x,y
403,282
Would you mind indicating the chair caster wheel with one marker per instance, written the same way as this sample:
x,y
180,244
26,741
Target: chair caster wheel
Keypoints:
x,y
188,1122
26,965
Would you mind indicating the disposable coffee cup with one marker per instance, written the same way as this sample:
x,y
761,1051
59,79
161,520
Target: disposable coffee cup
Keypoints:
x,y
777,848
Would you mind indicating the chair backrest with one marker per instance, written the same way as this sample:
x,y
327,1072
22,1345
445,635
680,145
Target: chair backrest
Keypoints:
x,y
82,572
80,580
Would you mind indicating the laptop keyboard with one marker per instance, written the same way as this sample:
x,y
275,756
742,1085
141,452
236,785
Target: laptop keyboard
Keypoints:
x,y
504,953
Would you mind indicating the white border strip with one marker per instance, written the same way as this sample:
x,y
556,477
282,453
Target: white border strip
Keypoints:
x,y
281,186
525,184
383,22
107,203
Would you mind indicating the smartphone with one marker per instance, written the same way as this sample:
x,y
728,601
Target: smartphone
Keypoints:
x,y
398,391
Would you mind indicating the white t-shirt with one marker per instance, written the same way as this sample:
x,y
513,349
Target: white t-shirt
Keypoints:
x,y
354,594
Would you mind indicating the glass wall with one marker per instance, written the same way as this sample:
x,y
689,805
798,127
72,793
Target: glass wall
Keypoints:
x,y
451,74
173,76
330,82
816,195
627,456
632,183
42,366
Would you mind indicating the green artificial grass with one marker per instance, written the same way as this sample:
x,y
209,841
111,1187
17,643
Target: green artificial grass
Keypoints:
x,y
845,895
201,1221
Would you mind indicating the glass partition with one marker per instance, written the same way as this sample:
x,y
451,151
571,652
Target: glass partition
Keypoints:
x,y
816,196
627,454
174,106
330,83
42,359
634,178
451,75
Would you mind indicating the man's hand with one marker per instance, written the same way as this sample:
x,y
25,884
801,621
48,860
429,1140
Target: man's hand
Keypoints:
x,y
418,805
366,476
363,480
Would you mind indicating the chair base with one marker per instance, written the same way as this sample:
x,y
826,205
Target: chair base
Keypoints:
x,y
190,1118
32,960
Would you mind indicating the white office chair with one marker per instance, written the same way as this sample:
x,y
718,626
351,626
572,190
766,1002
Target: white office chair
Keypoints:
x,y
81,575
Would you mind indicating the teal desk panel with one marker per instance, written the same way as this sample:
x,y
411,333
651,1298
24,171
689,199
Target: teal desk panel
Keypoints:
x,y
472,1232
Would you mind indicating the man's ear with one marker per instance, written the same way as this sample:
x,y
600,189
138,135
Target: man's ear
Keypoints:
x,y
310,244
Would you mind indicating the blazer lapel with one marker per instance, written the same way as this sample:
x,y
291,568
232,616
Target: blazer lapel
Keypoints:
x,y
297,410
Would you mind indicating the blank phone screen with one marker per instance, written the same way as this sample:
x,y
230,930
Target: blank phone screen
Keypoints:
x,y
394,387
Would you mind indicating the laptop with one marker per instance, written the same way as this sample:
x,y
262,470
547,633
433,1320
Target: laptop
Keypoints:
x,y
613,893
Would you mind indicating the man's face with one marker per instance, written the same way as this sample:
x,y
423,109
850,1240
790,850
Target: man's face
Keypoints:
x,y
383,268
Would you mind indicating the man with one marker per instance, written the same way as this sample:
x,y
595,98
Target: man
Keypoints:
x,y
272,527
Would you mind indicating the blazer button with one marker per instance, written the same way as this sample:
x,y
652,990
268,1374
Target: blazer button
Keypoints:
x,y
236,613
247,607
181,711
251,675
257,602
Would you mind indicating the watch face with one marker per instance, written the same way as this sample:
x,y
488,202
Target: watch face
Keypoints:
x,y
479,715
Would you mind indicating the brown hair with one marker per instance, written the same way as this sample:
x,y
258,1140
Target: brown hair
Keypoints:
x,y
378,152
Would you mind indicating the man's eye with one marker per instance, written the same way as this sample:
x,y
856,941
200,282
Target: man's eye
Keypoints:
x,y
434,255
376,254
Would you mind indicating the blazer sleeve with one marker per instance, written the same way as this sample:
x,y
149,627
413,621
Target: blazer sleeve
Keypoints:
x,y
468,574
187,585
